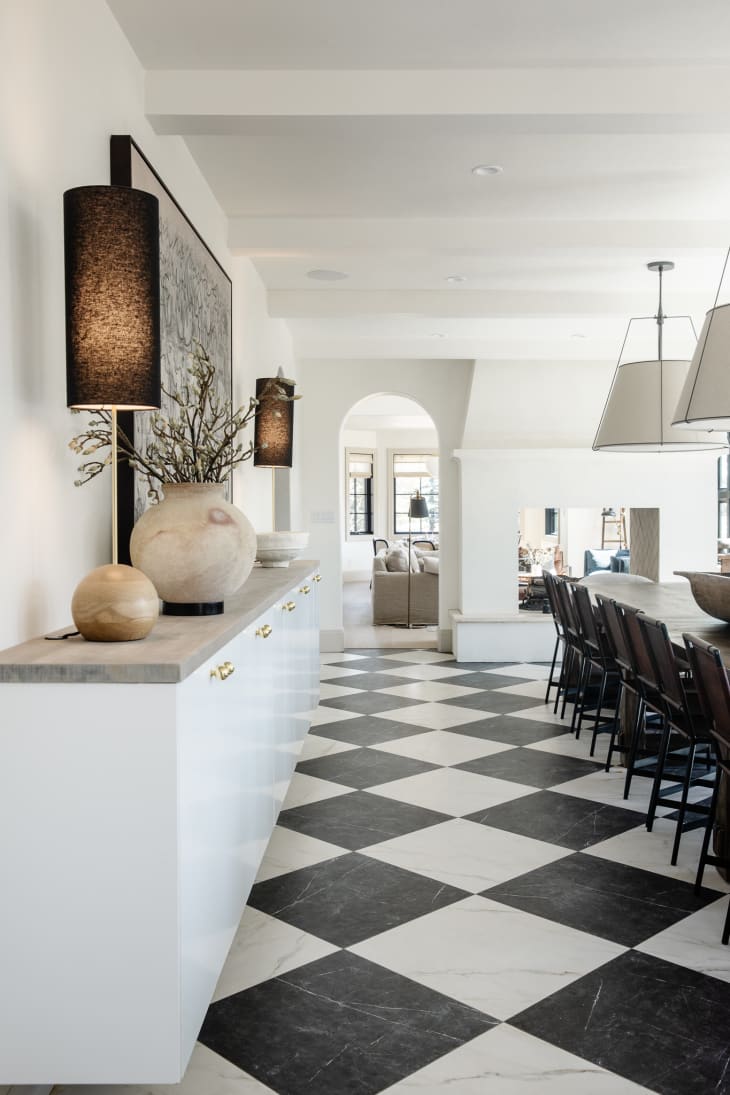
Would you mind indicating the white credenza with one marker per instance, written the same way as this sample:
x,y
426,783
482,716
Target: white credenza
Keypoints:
x,y
137,795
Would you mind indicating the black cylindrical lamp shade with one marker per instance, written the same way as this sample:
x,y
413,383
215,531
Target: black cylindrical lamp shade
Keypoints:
x,y
418,507
274,431
112,260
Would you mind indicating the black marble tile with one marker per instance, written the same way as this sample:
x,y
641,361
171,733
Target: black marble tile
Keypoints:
x,y
476,666
531,767
559,819
359,819
487,681
375,680
659,1025
368,703
616,902
338,1026
351,898
371,664
363,767
367,730
511,730
499,703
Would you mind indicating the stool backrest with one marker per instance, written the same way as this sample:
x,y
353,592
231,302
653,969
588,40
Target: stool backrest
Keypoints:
x,y
713,689
666,668
586,619
615,637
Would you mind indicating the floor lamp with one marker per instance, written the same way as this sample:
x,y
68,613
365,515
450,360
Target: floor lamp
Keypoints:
x,y
416,508
112,270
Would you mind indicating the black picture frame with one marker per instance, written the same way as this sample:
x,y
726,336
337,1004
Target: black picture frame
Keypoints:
x,y
196,304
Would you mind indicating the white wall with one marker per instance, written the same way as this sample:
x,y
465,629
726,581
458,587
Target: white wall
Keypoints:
x,y
332,388
494,482
68,80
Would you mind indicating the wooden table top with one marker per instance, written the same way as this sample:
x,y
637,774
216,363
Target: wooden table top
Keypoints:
x,y
671,602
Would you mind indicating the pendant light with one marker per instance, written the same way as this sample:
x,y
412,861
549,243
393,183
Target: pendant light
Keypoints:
x,y
704,402
639,410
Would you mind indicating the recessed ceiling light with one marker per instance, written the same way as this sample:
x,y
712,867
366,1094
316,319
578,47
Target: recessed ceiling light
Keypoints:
x,y
487,169
326,275
577,334
439,334
454,279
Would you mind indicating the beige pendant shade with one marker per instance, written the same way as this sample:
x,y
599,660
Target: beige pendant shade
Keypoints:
x,y
640,407
639,412
704,402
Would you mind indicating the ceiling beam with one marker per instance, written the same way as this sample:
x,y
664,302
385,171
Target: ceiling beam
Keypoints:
x,y
318,303
285,236
194,101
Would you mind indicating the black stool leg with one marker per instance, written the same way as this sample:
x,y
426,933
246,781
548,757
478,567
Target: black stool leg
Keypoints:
x,y
661,758
634,743
708,834
683,801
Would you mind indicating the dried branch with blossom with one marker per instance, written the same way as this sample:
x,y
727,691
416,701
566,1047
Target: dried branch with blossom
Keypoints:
x,y
198,442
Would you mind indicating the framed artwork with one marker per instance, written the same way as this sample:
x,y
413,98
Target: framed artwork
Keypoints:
x,y
196,304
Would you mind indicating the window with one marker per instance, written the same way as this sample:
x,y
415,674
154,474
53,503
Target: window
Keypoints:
x,y
359,466
415,472
723,497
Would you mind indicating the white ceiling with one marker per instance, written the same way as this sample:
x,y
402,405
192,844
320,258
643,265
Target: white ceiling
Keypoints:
x,y
341,135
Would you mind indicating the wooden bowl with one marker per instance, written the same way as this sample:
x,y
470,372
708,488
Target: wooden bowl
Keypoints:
x,y
710,591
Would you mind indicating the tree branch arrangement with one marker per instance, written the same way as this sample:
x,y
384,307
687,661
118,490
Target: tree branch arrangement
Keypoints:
x,y
198,442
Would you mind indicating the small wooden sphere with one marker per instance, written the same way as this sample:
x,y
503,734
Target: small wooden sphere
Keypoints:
x,y
115,603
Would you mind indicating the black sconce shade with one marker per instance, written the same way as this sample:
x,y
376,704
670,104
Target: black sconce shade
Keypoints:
x,y
112,259
274,431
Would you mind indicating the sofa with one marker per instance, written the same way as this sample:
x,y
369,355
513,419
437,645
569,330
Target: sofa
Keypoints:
x,y
390,590
606,559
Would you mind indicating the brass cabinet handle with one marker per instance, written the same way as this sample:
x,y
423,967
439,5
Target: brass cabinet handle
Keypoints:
x,y
318,578
305,589
289,606
223,672
264,631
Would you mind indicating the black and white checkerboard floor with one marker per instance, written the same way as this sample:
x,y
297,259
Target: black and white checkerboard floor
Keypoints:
x,y
457,899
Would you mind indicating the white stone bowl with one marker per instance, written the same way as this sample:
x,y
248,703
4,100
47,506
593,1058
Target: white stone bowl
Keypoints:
x,y
711,591
277,549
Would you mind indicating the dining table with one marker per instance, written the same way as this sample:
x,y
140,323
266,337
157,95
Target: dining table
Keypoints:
x,y
673,603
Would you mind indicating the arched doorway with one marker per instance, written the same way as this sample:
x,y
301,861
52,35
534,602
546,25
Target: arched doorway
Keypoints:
x,y
390,449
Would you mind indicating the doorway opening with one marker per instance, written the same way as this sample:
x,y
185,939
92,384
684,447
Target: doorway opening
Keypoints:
x,y
390,455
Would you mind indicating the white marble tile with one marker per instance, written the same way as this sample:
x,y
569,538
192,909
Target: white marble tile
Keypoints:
x,y
329,691
426,672
565,745
506,1061
436,716
533,689
420,656
653,851
288,850
323,715
304,789
695,942
543,713
206,1074
523,669
263,948
441,747
489,956
428,690
608,787
335,672
314,746
452,791
325,659
465,854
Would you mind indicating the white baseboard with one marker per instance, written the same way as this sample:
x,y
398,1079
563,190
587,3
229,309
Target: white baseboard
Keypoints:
x,y
527,638
332,642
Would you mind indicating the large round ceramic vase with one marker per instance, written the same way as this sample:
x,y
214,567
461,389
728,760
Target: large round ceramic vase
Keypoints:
x,y
195,547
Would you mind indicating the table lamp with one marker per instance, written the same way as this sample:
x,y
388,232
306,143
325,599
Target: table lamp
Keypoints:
x,y
112,266
274,431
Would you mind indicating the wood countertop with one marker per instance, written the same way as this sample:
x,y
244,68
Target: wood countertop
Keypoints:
x,y
175,647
